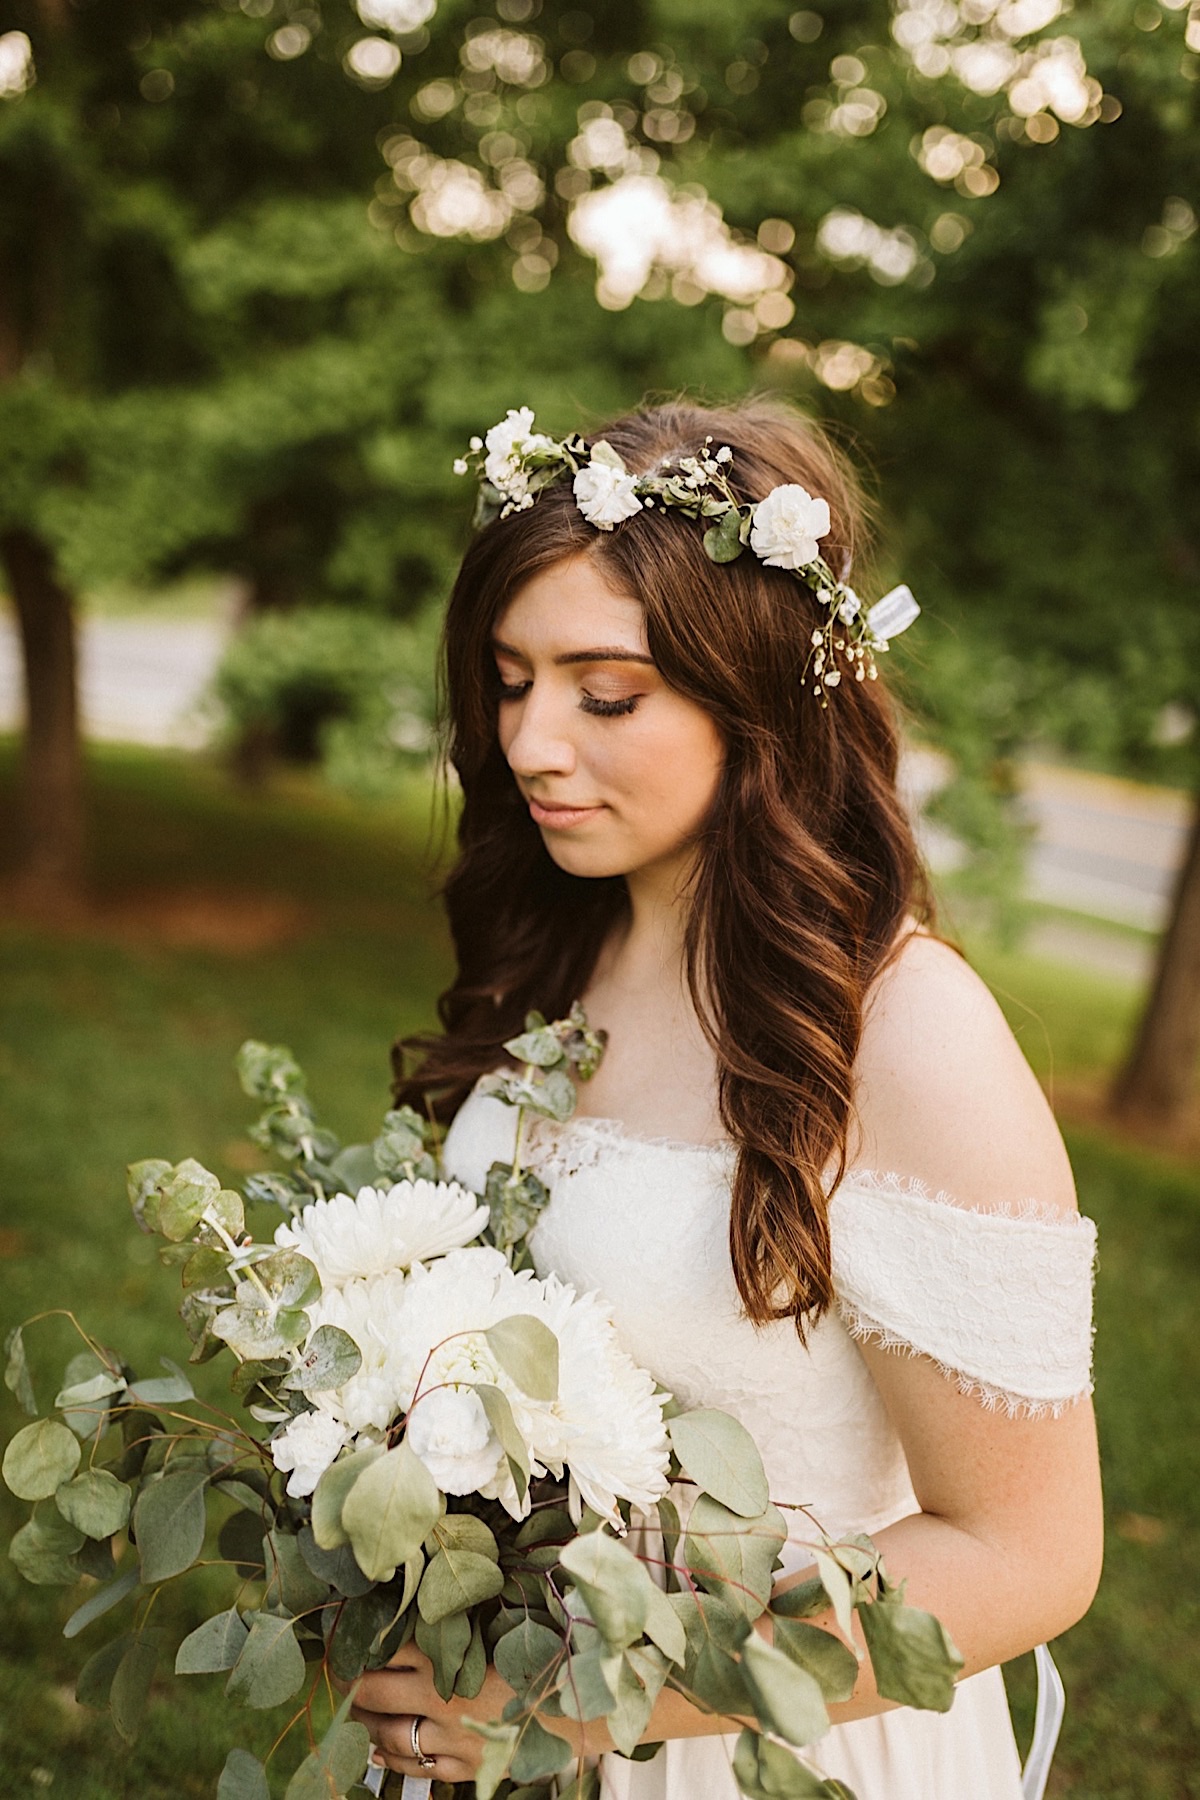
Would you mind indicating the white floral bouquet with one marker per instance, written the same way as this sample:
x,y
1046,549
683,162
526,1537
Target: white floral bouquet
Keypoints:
x,y
433,1443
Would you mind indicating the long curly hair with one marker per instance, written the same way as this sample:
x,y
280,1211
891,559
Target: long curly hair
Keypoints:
x,y
805,868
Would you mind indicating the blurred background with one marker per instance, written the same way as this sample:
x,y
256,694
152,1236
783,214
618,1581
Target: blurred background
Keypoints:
x,y
265,265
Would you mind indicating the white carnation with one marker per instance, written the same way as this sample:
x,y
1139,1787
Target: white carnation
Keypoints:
x,y
448,1429
787,525
307,1446
376,1230
605,495
506,444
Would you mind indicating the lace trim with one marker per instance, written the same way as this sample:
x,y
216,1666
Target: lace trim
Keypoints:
x,y
911,1187
993,1399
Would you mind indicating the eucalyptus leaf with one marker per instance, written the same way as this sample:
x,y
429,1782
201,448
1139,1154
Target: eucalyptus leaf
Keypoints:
x,y
912,1656
214,1646
663,1626
445,1644
463,1531
243,1778
527,1351
267,1071
334,1766
528,1656
498,1741
539,1047
514,1203
456,1580
554,1096
331,1492
43,1548
767,1771
390,1511
94,1558
802,1601
101,1601
734,1556
130,1690
142,1182
471,1676
182,1197
95,1502
722,1459
722,541
538,1753
16,1372
787,1699
500,1418
828,1661
86,1393
641,1672
840,1589
355,1628
162,1390
336,1568
168,1522
291,1585
39,1458
587,1683
613,1583
328,1360
270,1667
711,1672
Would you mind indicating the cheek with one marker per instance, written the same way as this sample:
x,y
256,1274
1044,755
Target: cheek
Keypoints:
x,y
674,768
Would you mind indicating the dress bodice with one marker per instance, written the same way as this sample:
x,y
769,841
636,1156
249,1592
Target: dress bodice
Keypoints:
x,y
1001,1302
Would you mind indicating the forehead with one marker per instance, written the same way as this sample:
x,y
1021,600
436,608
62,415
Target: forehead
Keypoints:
x,y
570,606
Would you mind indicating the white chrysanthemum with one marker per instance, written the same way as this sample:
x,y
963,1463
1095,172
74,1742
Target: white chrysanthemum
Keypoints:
x,y
368,1311
307,1446
605,495
506,443
379,1230
609,1416
448,1429
787,525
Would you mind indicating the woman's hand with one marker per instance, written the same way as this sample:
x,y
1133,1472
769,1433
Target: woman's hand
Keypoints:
x,y
388,1700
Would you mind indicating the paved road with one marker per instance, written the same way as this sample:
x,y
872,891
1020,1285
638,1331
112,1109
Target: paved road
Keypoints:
x,y
1101,846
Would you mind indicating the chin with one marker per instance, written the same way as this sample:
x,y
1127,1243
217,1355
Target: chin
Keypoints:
x,y
589,862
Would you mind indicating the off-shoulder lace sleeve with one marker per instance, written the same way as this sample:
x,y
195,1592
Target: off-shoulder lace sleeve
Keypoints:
x,y
1001,1301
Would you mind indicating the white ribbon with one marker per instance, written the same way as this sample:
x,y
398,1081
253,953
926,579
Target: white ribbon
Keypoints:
x,y
1047,1723
416,1787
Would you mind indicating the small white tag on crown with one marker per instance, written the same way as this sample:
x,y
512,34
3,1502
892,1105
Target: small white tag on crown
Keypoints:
x,y
893,614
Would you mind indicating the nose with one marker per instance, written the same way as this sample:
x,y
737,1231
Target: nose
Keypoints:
x,y
538,741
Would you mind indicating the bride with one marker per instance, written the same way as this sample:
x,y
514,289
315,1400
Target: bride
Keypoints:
x,y
814,1178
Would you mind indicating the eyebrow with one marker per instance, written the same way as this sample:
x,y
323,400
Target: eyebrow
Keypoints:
x,y
605,653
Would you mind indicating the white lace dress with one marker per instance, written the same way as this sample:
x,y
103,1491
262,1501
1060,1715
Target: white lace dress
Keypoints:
x,y
1002,1302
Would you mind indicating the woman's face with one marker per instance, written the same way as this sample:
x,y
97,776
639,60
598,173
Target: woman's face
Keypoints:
x,y
618,770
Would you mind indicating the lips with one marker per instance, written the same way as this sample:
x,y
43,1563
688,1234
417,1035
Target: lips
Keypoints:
x,y
557,815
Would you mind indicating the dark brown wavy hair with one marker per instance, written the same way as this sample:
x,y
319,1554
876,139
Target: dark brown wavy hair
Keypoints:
x,y
805,867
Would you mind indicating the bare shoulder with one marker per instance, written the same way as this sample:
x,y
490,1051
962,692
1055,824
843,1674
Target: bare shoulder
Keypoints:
x,y
943,1092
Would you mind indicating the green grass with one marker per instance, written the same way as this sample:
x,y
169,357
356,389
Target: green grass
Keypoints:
x,y
116,1040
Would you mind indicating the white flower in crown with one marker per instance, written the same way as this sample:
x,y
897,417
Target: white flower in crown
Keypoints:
x,y
604,490
378,1230
787,525
506,444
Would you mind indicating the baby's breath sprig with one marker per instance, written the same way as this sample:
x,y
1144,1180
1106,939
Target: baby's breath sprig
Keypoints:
x,y
514,464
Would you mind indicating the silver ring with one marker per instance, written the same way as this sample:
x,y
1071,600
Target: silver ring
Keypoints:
x,y
414,1737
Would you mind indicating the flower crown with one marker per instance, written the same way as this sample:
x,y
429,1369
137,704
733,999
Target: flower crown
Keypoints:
x,y
514,463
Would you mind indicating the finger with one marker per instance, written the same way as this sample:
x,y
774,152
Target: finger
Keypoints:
x,y
394,1691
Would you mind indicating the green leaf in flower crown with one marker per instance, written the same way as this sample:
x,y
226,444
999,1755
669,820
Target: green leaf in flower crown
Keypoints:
x,y
243,1778
731,1556
445,1644
39,1458
331,1494
101,1601
267,1071
767,1771
826,1658
214,1646
913,1658
270,1667
16,1372
614,1585
722,1459
454,1581
723,541
182,1198
390,1511
539,1047
130,1690
168,1522
528,1658
527,1351
95,1502
328,1360
538,1753
43,1548
787,1699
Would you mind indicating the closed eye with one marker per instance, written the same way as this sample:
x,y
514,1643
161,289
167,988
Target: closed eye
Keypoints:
x,y
589,703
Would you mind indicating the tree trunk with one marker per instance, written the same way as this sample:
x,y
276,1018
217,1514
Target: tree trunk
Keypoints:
x,y
1156,1082
50,830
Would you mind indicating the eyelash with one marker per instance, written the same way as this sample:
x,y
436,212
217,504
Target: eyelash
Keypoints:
x,y
602,709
